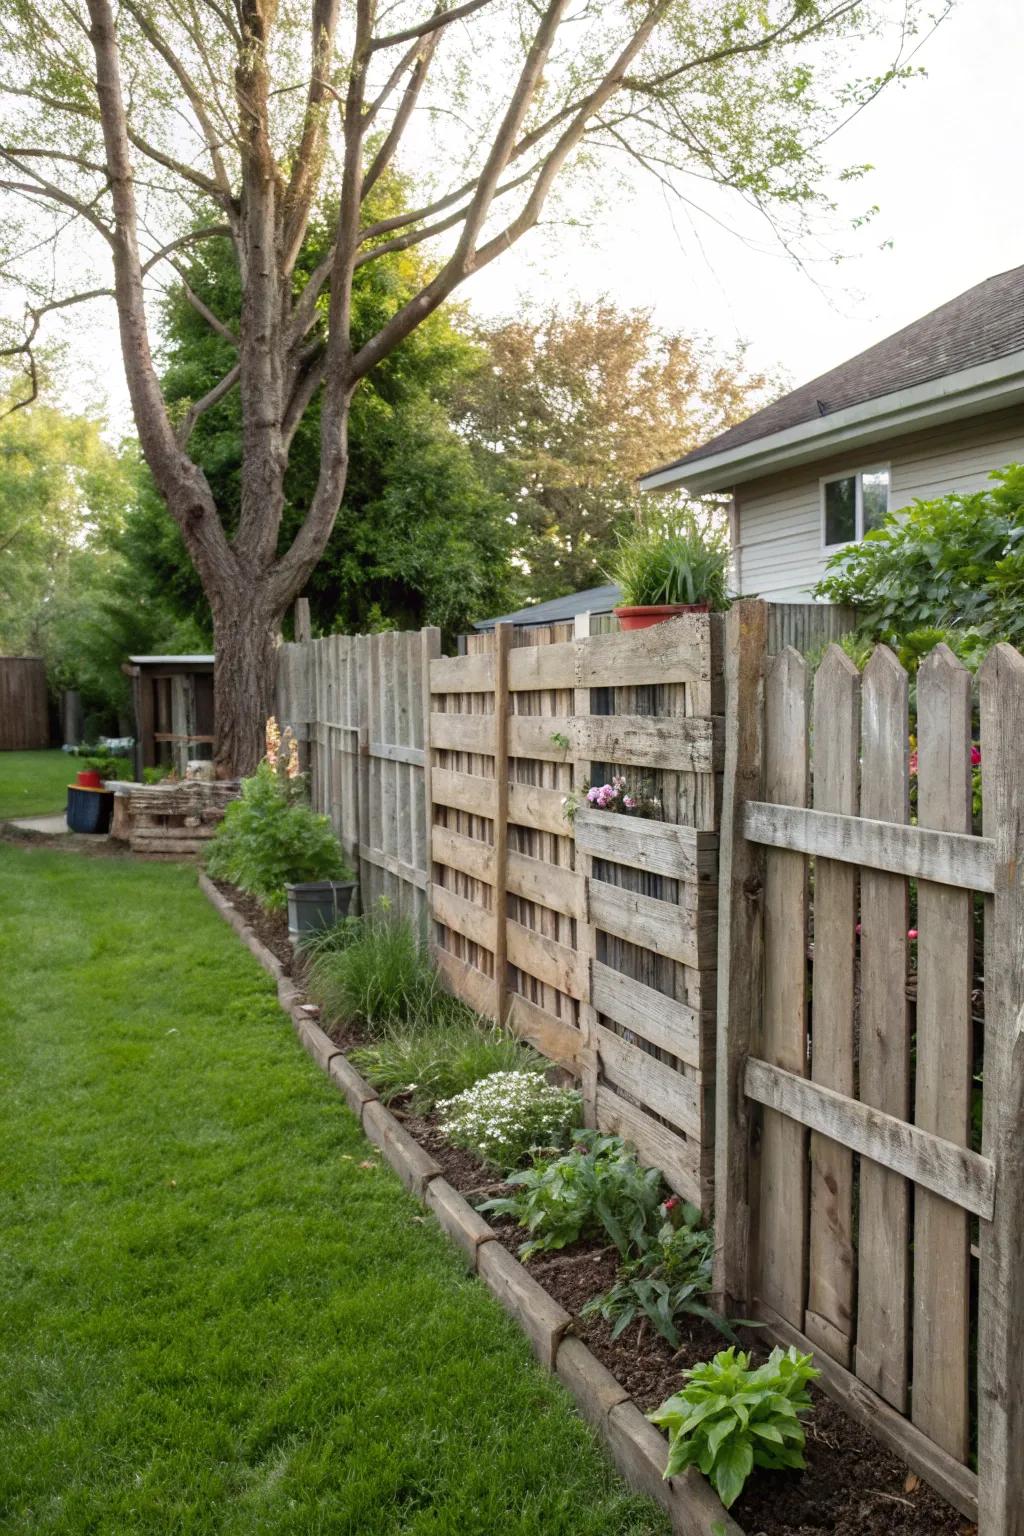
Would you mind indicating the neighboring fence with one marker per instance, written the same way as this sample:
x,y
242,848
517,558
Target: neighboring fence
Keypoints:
x,y
855,1213
595,940
24,710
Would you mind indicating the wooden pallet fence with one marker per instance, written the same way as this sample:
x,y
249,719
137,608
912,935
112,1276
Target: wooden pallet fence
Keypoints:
x,y
866,1218
594,938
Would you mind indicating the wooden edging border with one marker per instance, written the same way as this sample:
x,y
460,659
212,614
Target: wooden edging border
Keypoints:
x,y
635,1446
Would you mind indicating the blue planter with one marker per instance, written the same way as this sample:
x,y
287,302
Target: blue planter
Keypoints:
x,y
89,810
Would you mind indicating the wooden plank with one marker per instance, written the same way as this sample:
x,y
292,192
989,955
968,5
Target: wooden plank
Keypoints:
x,y
782,1215
678,651
466,854
691,744
529,805
952,858
549,885
1001,1274
533,736
829,1315
963,1177
546,959
430,649
740,952
462,733
659,1087
400,868
463,674
553,1037
502,652
586,937
468,792
942,1097
535,667
659,1019
395,752
883,1282
658,847
462,916
655,1144
950,1478
465,981
661,926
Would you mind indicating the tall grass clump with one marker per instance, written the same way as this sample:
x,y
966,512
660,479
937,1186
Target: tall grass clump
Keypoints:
x,y
442,1061
373,973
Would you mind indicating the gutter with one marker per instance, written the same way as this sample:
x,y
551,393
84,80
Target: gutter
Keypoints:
x,y
971,392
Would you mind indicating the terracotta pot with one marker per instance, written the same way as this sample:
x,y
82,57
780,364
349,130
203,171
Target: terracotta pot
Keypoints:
x,y
89,778
656,613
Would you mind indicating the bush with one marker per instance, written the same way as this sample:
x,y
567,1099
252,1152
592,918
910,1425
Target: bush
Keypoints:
x,y
684,564
110,767
374,973
728,1419
507,1115
441,1062
597,1186
953,563
270,838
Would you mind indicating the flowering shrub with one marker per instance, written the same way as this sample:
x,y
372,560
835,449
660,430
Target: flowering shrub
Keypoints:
x,y
502,1117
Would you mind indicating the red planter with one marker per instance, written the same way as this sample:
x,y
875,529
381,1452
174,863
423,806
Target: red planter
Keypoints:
x,y
89,778
656,613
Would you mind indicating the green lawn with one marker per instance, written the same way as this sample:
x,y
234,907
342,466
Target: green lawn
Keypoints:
x,y
34,783
220,1312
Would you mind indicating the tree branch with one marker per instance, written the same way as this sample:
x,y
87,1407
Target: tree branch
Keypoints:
x,y
201,308
431,25
206,402
405,110
312,143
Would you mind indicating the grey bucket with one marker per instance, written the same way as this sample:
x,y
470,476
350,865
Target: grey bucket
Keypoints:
x,y
317,904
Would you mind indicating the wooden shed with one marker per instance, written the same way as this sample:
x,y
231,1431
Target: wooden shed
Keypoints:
x,y
24,708
172,698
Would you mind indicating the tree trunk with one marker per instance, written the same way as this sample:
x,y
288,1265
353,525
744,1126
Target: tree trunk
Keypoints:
x,y
245,636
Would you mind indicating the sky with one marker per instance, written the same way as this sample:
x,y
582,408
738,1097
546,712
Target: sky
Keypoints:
x,y
947,178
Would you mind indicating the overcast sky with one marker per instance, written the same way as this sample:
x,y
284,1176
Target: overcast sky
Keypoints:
x,y
947,179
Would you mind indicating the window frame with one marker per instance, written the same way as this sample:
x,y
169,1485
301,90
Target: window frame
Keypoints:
x,y
856,475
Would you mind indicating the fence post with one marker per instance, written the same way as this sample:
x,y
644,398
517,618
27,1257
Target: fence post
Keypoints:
x,y
502,645
302,623
1001,1313
740,946
430,647
586,944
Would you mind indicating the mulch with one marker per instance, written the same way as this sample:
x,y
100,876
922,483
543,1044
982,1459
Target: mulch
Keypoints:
x,y
271,928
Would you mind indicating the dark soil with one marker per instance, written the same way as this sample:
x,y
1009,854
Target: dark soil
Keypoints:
x,y
271,928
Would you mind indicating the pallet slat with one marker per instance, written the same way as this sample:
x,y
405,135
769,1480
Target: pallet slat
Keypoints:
x,y
658,847
693,745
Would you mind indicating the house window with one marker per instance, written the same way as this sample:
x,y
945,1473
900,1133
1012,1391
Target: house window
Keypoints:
x,y
853,504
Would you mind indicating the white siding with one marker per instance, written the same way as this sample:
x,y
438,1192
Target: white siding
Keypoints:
x,y
779,518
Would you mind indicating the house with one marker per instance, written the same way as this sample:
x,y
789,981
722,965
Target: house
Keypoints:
x,y
172,697
932,409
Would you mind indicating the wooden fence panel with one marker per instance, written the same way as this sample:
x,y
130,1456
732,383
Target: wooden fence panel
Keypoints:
x,y
24,708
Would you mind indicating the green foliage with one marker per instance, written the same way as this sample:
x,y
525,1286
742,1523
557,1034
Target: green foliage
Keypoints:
x,y
665,1283
157,774
374,974
685,562
952,566
597,1186
269,838
507,1115
436,1063
110,767
729,1419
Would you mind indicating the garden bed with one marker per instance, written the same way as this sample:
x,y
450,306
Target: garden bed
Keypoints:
x,y
852,1485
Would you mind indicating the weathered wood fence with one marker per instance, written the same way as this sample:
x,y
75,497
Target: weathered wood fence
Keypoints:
x,y
868,1206
24,709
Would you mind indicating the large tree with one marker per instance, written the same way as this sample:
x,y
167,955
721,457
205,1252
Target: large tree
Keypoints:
x,y
571,405
155,124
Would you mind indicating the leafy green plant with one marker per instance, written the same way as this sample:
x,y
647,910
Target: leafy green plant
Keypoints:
x,y
441,1062
374,973
157,774
269,838
110,767
507,1115
685,563
597,1186
667,1281
729,1419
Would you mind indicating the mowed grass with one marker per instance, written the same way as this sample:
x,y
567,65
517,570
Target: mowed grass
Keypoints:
x,y
220,1312
35,783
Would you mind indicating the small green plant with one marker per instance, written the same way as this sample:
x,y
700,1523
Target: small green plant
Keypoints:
x,y
560,739
666,1282
685,563
158,774
729,1419
373,973
269,838
597,1186
110,767
507,1115
440,1062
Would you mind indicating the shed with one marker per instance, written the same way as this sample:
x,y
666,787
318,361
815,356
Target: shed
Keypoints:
x,y
172,697
559,610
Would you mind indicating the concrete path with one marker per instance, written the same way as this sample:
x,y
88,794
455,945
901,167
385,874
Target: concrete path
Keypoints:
x,y
49,826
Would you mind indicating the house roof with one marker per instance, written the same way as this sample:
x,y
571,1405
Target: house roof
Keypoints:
x,y
560,609
975,330
176,661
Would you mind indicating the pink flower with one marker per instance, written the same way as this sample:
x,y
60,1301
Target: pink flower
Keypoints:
x,y
911,933
605,796
671,1203
629,801
592,795
975,756
913,761
859,930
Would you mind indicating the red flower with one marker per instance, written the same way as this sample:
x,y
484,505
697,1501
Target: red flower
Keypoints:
x,y
911,933
975,756
913,761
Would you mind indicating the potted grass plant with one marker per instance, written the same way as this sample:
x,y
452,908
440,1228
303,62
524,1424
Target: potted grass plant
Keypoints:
x,y
663,571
